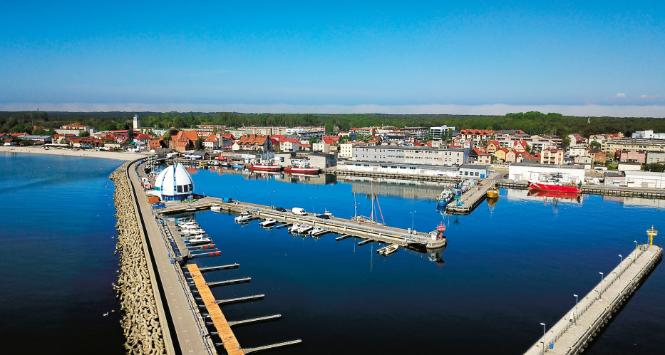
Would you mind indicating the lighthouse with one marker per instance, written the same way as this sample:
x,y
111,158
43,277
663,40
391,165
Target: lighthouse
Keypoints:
x,y
135,122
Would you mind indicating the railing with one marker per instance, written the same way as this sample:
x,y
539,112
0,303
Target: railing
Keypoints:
x,y
556,332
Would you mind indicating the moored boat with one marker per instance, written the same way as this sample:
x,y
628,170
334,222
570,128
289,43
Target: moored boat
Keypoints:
x,y
388,249
493,192
555,183
243,217
216,208
268,223
301,167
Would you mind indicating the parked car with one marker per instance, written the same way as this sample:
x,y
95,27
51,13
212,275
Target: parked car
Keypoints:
x,y
280,209
298,211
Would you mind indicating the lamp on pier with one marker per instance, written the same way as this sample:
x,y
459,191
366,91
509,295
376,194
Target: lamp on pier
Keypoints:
x,y
651,232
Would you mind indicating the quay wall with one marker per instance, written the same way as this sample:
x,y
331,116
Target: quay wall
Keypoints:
x,y
140,320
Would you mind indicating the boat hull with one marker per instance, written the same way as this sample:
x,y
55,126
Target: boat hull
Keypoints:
x,y
268,168
540,186
306,171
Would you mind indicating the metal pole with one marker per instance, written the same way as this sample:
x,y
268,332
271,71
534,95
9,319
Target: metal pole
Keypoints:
x,y
621,257
576,300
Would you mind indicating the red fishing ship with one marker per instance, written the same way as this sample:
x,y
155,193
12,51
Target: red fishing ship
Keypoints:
x,y
301,167
266,165
554,183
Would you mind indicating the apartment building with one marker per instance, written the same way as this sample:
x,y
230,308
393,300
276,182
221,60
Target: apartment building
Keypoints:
x,y
410,155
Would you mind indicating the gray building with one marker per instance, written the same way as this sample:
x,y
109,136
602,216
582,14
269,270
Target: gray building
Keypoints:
x,y
411,155
655,157
442,132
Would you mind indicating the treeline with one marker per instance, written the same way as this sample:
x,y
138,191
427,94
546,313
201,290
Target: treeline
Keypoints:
x,y
530,122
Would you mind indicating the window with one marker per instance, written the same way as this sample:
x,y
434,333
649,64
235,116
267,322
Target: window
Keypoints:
x,y
179,188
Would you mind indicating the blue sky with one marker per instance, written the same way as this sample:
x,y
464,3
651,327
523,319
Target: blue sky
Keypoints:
x,y
328,55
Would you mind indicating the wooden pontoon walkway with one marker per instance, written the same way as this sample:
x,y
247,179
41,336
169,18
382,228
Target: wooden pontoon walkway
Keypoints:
x,y
365,230
229,340
573,333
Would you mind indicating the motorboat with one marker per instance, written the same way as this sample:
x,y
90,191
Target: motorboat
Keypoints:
x,y
303,229
268,223
317,231
294,228
199,241
388,249
190,232
243,217
216,208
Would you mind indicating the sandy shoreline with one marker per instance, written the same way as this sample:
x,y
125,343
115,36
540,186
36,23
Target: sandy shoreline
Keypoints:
x,y
72,153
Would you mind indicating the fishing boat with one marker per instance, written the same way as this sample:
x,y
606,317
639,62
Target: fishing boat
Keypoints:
x,y
555,183
445,197
388,249
493,192
301,166
266,165
268,223
243,217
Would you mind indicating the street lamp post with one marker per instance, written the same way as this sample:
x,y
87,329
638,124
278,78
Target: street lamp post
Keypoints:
x,y
621,257
635,241
544,330
575,309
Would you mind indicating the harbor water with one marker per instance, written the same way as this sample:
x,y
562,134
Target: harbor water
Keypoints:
x,y
57,263
508,266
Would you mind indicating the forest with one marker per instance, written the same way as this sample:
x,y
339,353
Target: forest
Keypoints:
x,y
531,122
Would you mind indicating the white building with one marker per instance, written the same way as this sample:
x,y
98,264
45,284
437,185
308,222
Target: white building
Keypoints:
x,y
397,169
648,134
641,179
346,150
410,155
441,132
473,171
527,172
174,183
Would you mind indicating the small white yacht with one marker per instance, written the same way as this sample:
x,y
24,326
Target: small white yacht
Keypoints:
x,y
316,231
198,241
303,229
243,217
216,208
387,250
268,223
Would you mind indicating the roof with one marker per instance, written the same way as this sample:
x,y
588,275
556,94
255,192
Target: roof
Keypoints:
x,y
252,139
172,176
211,138
330,139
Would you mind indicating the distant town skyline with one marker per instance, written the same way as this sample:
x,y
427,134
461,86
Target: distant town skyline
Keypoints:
x,y
458,57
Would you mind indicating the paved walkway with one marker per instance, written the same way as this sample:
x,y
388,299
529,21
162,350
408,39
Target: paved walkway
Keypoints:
x,y
190,330
572,334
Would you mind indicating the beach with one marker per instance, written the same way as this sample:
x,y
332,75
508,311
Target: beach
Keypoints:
x,y
125,156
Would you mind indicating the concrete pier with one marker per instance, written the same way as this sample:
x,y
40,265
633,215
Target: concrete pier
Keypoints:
x,y
472,198
342,226
574,332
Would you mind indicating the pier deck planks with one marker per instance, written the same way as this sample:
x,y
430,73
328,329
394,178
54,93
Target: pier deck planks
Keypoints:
x,y
229,340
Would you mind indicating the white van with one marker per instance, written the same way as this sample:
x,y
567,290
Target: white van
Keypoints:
x,y
298,211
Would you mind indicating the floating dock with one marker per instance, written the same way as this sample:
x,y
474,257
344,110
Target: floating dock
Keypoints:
x,y
575,331
342,226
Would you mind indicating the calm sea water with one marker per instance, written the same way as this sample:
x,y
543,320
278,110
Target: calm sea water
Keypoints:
x,y
507,268
56,256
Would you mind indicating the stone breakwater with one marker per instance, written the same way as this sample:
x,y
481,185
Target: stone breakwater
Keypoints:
x,y
140,319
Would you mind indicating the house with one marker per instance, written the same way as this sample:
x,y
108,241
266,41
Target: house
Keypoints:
x,y
184,140
211,142
520,146
289,145
155,144
492,146
511,156
255,142
551,156
655,157
500,154
480,156
477,135
633,157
